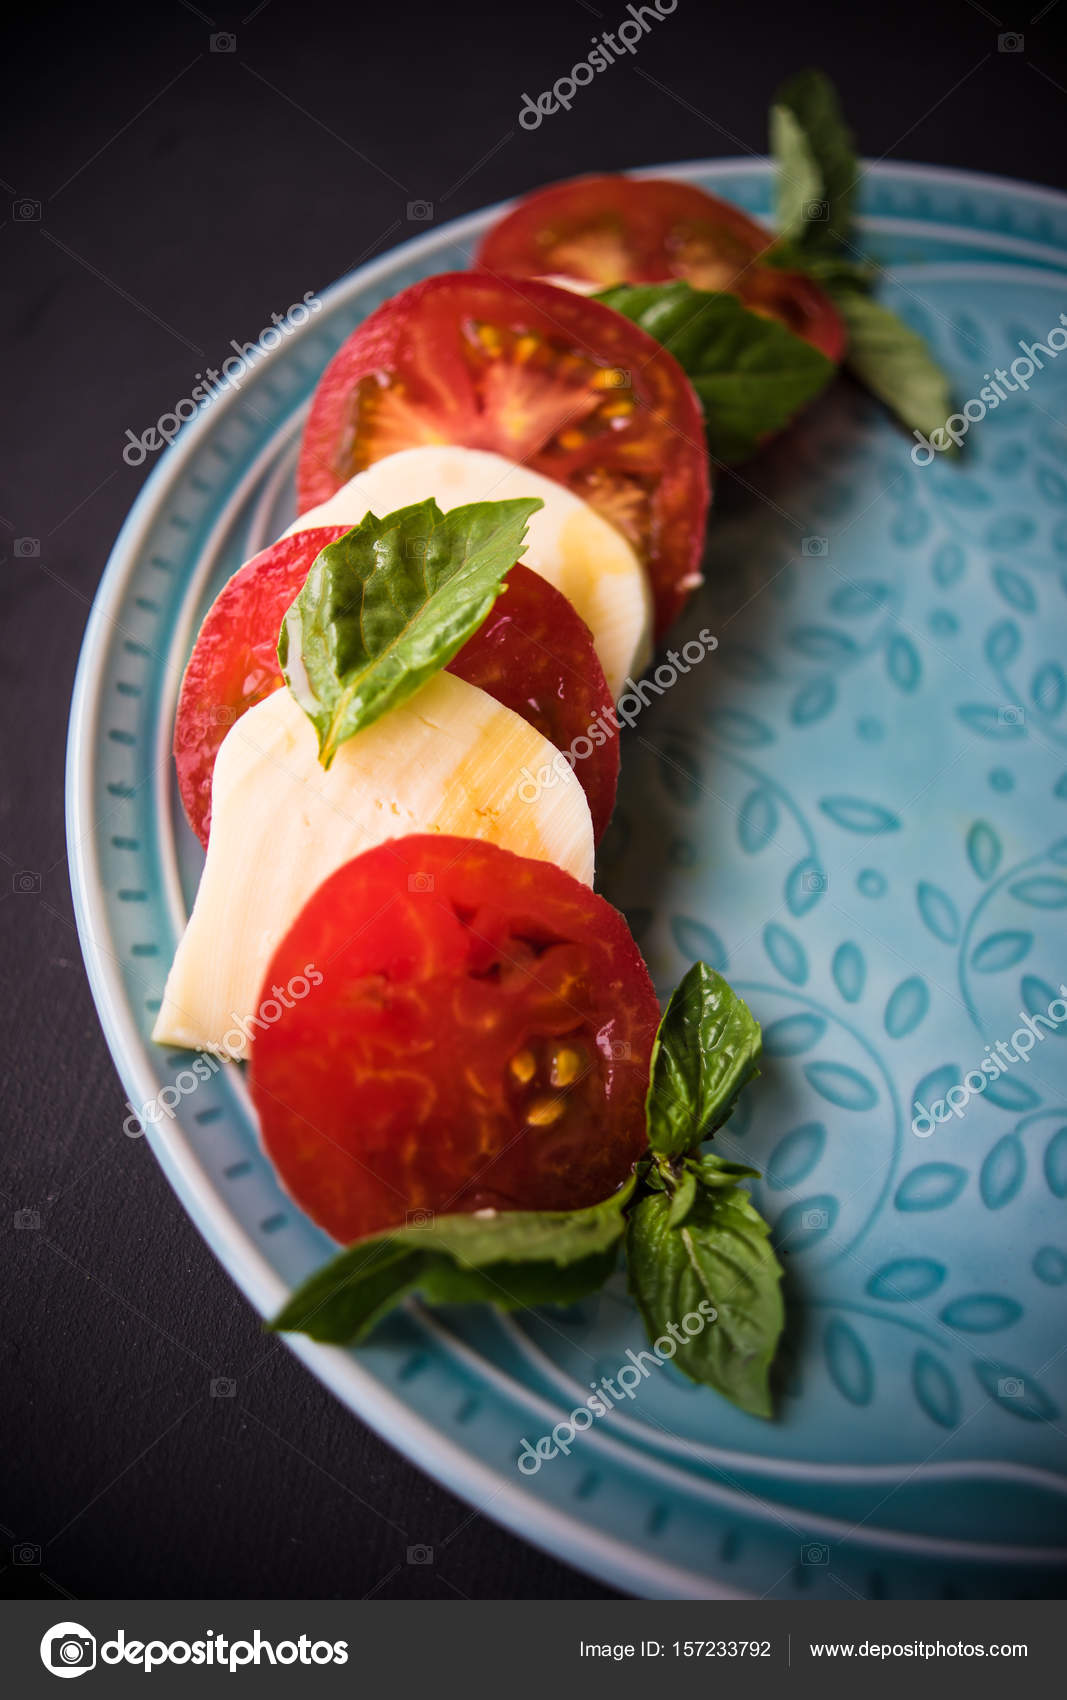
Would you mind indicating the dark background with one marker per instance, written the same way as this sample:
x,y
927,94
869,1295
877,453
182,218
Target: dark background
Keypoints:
x,y
184,195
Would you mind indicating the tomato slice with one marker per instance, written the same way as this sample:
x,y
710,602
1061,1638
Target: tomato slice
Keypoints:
x,y
799,304
616,229
234,663
540,375
533,653
459,1029
605,230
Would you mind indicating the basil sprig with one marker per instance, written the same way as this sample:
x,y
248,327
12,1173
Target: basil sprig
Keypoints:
x,y
389,604
512,1259
751,374
818,172
694,1242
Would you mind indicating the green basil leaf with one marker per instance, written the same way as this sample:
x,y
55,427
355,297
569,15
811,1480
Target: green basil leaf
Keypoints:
x,y
752,374
713,1170
817,165
389,604
706,1050
817,176
894,363
718,1264
513,1259
683,1198
832,268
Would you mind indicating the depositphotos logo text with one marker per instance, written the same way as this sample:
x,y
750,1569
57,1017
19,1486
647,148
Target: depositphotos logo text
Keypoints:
x,y
607,48
69,1649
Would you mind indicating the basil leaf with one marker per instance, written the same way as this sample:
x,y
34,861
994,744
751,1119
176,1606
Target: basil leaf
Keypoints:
x,y
833,269
817,165
752,374
817,177
706,1050
718,1265
682,1198
389,604
513,1259
894,363
713,1170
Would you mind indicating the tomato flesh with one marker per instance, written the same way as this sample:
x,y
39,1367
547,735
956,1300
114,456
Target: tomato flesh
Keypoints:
x,y
614,229
539,375
533,653
479,1038
234,663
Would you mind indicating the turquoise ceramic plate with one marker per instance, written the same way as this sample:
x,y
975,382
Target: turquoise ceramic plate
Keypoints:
x,y
856,807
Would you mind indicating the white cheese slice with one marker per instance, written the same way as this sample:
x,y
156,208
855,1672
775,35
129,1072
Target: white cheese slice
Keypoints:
x,y
567,542
450,760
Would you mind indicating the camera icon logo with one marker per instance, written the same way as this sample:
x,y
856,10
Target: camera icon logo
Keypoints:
x,y
1011,716
26,883
815,1221
817,210
223,42
620,1050
25,211
27,548
1010,1387
814,1552
223,1387
224,715
814,879
26,1553
420,1555
419,1219
613,378
814,546
68,1649
421,882
420,212
26,1220
417,548
1010,42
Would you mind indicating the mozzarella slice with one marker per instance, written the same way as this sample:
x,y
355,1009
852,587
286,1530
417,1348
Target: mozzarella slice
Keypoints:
x,y
568,542
450,760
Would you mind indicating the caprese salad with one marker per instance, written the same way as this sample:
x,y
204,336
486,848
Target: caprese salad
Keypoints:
x,y
454,1048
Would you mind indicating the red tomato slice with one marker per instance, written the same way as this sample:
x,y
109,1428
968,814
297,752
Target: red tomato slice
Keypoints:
x,y
234,663
539,375
617,229
606,230
799,304
533,653
479,1036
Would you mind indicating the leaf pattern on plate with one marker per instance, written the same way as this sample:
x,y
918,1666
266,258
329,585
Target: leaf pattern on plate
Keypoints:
x,y
938,912
907,1006
848,1362
856,815
983,849
850,971
932,1186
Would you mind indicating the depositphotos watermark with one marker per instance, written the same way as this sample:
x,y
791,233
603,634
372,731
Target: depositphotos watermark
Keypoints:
x,y
69,1650
997,388
228,376
634,698
606,49
991,1067
612,1389
233,1040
